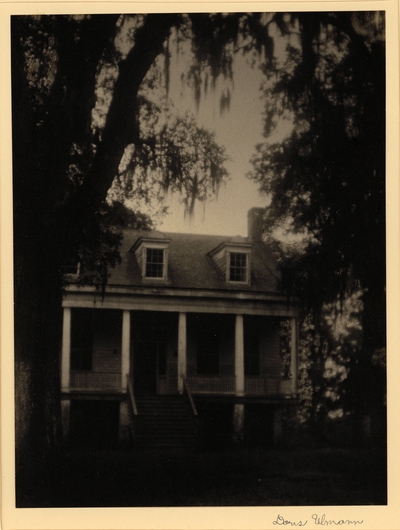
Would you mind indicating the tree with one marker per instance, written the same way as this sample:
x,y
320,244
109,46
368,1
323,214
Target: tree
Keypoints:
x,y
64,163
80,122
326,178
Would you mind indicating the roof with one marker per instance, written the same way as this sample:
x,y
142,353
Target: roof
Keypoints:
x,y
191,267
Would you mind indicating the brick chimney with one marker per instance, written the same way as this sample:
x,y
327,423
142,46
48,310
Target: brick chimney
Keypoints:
x,y
255,223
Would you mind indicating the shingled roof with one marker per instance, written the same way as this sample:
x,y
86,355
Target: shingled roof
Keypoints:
x,y
190,265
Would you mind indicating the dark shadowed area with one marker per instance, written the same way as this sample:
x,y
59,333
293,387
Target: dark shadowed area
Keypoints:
x,y
246,477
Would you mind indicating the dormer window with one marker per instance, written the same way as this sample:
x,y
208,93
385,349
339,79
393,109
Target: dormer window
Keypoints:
x,y
154,263
152,257
238,269
233,260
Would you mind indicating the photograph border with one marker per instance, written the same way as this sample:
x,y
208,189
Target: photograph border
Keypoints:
x,y
374,517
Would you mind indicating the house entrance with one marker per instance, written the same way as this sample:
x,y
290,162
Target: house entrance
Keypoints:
x,y
150,362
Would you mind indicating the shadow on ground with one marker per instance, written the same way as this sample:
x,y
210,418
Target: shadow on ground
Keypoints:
x,y
246,477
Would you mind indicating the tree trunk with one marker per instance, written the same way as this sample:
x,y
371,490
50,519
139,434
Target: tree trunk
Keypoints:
x,y
38,299
45,234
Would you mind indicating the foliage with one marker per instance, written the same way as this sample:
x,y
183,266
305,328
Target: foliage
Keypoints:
x,y
325,174
99,249
180,158
326,178
82,116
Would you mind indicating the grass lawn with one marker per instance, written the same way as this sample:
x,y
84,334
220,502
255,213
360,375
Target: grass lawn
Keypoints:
x,y
245,477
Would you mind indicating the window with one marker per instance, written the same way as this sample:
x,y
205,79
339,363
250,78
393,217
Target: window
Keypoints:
x,y
233,259
251,351
81,339
154,263
238,267
208,353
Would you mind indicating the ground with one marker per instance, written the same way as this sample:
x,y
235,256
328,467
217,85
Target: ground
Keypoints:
x,y
245,477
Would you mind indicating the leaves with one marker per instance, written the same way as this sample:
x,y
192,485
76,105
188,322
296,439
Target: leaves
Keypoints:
x,y
326,180
178,157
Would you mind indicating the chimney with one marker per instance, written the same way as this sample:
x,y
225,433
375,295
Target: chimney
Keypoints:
x,y
255,223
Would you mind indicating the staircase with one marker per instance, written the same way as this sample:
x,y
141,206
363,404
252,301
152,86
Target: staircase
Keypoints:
x,y
165,423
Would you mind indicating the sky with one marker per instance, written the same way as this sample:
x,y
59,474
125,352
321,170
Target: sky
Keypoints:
x,y
239,129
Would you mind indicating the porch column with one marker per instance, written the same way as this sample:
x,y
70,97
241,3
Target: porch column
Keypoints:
x,y
239,355
125,348
66,350
182,347
65,370
238,408
293,354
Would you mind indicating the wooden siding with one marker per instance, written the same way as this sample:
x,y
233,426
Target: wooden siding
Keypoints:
x,y
227,353
107,342
106,365
95,381
226,331
220,260
271,363
105,372
261,385
172,367
211,383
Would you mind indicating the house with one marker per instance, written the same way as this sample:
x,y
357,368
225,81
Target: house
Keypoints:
x,y
182,345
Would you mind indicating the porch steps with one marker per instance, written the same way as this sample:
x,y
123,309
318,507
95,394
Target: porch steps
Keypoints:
x,y
165,423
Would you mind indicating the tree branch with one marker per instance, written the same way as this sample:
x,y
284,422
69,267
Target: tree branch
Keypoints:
x,y
117,133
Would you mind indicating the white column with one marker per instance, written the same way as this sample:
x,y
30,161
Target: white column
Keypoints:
x,y
293,354
125,348
239,355
181,350
66,350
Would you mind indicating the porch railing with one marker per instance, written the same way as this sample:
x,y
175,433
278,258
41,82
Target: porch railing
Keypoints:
x,y
261,385
253,385
86,380
188,396
131,396
211,383
134,426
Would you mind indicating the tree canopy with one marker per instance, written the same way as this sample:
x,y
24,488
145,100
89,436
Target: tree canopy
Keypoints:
x,y
326,181
82,120
326,178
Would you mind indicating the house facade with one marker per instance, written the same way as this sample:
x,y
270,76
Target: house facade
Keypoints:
x,y
183,345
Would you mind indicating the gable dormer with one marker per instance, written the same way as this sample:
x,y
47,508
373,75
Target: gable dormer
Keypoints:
x,y
152,257
233,258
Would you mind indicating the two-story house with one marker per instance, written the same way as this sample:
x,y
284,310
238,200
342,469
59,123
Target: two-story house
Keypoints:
x,y
186,332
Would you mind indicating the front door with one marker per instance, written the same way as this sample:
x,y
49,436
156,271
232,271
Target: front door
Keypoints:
x,y
145,368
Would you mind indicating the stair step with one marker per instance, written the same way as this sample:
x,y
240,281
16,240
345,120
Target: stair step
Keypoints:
x,y
165,422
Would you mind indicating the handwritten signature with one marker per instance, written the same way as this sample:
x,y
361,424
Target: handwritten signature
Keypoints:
x,y
281,521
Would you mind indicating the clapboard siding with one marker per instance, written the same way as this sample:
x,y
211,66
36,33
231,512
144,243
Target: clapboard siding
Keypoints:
x,y
107,339
172,367
271,363
191,349
225,328
227,351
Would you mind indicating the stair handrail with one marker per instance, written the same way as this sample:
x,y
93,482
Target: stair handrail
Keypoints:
x,y
188,395
132,396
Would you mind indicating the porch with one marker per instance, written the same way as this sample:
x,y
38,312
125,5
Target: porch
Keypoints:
x,y
214,353
210,356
